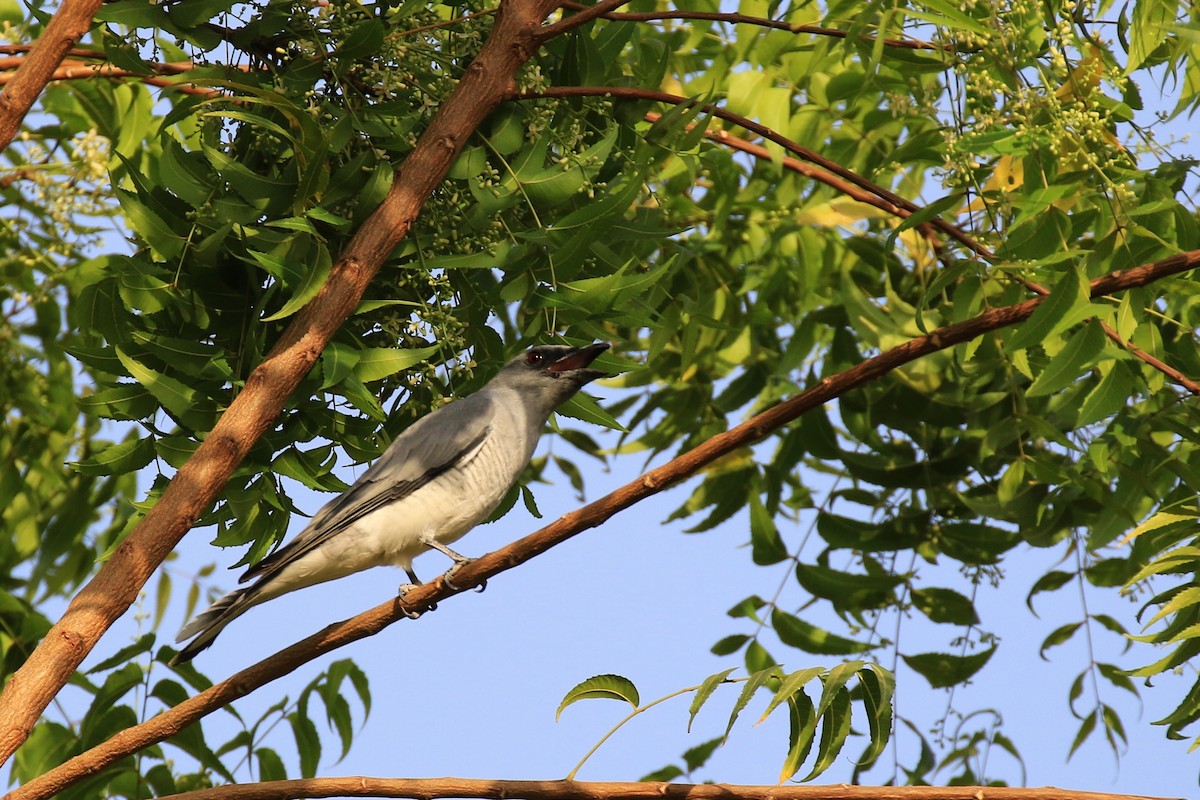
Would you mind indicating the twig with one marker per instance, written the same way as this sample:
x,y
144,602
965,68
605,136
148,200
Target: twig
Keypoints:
x,y
368,623
430,788
584,15
809,171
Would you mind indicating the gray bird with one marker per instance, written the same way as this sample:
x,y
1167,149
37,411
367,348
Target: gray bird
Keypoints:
x,y
439,479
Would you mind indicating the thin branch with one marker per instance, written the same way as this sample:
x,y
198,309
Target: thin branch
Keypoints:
x,y
68,25
75,72
370,622
633,93
809,171
857,187
197,485
430,788
763,22
584,15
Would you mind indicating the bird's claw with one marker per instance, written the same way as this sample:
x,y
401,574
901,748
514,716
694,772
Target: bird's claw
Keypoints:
x,y
448,575
403,590
482,585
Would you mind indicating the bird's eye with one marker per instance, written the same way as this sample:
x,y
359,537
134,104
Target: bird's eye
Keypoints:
x,y
533,358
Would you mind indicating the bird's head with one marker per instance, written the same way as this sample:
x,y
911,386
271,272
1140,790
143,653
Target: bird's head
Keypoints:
x,y
552,373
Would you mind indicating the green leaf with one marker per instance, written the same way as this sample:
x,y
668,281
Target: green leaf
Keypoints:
x,y
878,688
791,683
1051,581
766,544
118,459
943,670
585,408
835,727
1058,636
945,606
608,687
1081,350
1068,303
795,632
174,396
802,731
143,645
1108,396
382,362
707,687
753,684
848,590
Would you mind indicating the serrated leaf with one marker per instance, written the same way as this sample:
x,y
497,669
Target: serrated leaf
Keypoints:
x,y
118,459
381,362
791,683
1107,397
878,688
143,645
1067,304
605,687
707,687
172,394
753,684
835,727
802,731
1066,367
1055,579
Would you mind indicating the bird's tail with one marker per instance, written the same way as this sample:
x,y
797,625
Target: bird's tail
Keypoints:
x,y
206,625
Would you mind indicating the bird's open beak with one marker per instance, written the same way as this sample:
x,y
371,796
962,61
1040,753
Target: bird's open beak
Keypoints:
x,y
578,358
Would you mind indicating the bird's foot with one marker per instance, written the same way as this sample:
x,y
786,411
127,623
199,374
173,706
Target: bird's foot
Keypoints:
x,y
448,575
403,591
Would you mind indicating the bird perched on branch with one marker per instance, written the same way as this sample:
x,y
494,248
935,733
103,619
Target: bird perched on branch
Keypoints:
x,y
440,478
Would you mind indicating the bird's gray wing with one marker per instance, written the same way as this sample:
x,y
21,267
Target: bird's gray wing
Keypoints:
x,y
432,445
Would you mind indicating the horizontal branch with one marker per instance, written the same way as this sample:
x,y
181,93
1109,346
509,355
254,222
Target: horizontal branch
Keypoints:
x,y
762,22
431,788
173,720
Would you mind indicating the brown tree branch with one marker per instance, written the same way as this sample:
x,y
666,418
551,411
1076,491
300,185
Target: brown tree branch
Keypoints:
x,y
583,15
763,22
430,788
79,71
809,171
63,32
484,84
368,623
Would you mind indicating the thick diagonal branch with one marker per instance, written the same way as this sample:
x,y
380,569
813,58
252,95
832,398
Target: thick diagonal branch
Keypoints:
x,y
63,32
173,720
485,83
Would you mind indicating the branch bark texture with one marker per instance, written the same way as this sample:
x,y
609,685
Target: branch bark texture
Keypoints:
x,y
63,32
487,81
431,788
170,722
